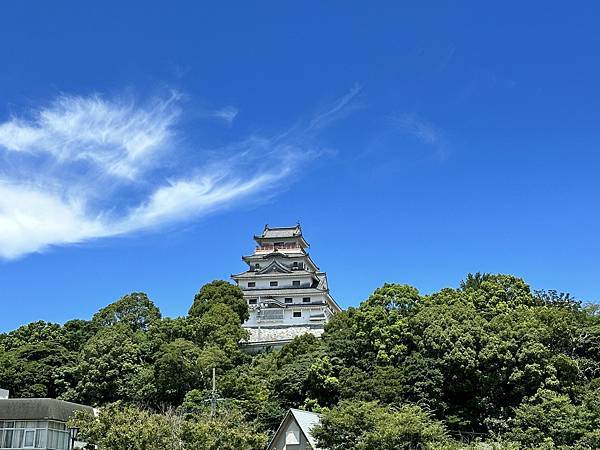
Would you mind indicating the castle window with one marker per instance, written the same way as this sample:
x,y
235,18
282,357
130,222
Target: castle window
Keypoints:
x,y
296,283
297,313
256,266
273,283
252,301
289,300
251,284
305,299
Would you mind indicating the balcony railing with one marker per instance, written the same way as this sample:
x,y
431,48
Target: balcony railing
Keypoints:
x,y
268,247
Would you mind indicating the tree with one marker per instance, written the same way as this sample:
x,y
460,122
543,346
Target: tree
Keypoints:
x,y
369,426
119,427
135,310
177,370
549,417
228,430
220,292
34,356
31,370
394,297
494,294
109,368
303,372
32,333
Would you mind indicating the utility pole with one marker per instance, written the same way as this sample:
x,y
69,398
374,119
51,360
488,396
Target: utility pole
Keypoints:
x,y
214,398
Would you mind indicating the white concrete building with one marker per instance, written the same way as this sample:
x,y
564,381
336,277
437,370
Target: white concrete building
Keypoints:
x,y
287,293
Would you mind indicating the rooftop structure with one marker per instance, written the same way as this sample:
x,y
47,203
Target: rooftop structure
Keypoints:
x,y
295,431
287,293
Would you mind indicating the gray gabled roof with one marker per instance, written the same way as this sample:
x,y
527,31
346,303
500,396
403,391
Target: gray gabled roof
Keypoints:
x,y
307,421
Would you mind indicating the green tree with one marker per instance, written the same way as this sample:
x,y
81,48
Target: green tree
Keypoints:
x,y
369,426
32,333
119,427
31,370
220,292
177,370
135,310
109,368
549,417
495,294
303,372
228,430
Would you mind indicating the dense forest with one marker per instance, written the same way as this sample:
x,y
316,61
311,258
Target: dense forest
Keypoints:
x,y
489,364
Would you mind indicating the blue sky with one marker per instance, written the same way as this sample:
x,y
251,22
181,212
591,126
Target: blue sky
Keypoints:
x,y
142,144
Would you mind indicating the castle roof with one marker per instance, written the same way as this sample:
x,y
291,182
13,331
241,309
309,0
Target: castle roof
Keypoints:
x,y
270,233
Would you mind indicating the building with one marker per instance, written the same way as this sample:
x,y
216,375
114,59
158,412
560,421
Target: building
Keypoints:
x,y
287,293
295,431
40,423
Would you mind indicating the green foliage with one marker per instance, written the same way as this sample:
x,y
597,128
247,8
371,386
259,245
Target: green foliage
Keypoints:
x,y
220,292
227,431
550,418
135,310
32,370
119,427
177,370
303,372
368,426
108,368
394,297
495,364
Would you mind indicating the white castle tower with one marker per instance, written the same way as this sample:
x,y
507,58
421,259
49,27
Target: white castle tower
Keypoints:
x,y
286,292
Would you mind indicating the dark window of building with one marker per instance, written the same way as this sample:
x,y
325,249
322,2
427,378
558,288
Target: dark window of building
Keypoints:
x,y
295,264
251,284
305,299
273,283
296,283
289,300
297,313
252,301
256,266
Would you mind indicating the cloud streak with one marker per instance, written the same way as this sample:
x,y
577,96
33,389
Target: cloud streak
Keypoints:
x,y
84,168
423,131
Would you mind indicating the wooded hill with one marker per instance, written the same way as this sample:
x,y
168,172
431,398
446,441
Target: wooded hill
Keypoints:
x,y
488,362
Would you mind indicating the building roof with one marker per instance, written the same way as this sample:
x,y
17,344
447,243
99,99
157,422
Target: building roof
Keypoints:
x,y
281,233
39,409
307,421
249,259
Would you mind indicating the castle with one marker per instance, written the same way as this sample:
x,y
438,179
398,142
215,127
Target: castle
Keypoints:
x,y
287,293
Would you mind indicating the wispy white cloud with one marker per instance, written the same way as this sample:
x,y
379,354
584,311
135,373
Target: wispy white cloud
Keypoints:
x,y
85,168
119,137
423,131
228,114
333,112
